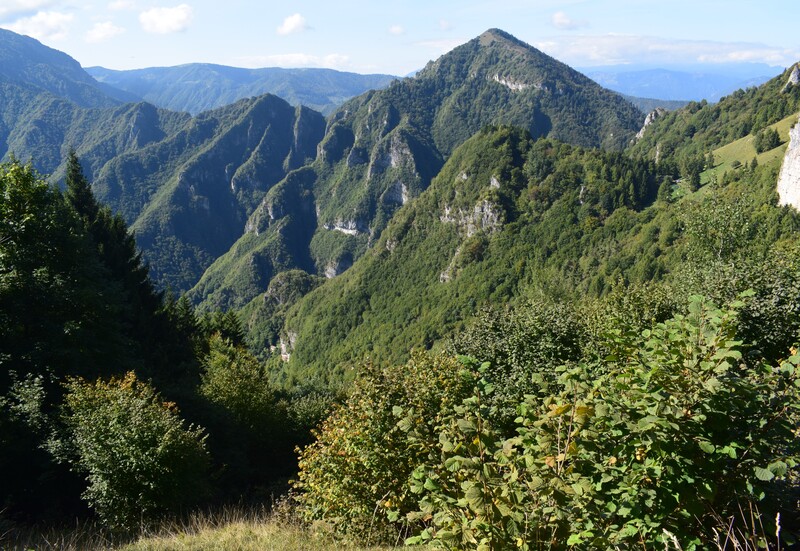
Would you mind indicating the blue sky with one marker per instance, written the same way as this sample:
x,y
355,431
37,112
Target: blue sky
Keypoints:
x,y
399,37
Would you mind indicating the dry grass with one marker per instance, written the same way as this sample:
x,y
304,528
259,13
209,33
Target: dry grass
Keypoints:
x,y
80,537
238,529
227,530
749,531
249,530
244,536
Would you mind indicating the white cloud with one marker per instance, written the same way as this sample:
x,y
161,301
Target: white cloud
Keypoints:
x,y
330,61
293,24
562,21
615,49
445,25
9,7
103,31
120,5
45,25
396,30
166,20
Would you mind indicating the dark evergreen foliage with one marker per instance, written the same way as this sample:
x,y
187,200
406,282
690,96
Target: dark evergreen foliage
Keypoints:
x,y
166,354
77,311
766,139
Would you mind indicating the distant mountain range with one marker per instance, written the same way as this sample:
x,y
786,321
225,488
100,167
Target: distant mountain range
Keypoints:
x,y
693,83
25,61
198,87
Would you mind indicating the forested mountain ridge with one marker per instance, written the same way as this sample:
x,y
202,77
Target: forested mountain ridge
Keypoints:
x,y
198,87
153,166
577,227
49,103
42,127
212,174
378,151
383,148
152,163
506,214
25,61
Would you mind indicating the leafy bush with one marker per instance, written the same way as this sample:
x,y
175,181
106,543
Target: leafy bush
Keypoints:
x,y
139,457
522,346
670,431
355,473
234,380
247,425
660,441
254,427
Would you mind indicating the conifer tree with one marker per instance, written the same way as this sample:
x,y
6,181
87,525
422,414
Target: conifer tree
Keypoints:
x,y
79,192
166,352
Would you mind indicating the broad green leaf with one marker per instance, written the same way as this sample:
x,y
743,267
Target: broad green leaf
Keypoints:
x,y
431,485
574,539
648,421
475,498
764,474
707,446
467,426
779,468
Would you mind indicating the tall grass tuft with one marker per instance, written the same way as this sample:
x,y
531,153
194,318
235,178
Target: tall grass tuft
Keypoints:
x,y
232,528
81,536
748,531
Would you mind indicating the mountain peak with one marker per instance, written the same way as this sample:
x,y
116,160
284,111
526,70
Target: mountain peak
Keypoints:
x,y
498,37
494,60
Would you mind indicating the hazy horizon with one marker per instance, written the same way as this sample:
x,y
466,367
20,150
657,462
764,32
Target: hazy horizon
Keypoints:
x,y
132,34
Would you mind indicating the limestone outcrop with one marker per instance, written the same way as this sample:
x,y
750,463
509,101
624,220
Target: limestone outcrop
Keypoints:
x,y
651,117
789,178
793,80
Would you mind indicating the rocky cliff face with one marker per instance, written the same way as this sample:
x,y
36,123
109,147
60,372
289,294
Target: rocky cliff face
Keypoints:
x,y
789,179
793,80
651,117
213,189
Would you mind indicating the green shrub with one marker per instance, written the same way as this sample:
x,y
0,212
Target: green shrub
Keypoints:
x,y
659,441
234,380
658,430
522,346
139,458
766,140
354,476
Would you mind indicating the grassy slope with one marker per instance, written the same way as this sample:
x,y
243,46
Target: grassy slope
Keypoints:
x,y
743,150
